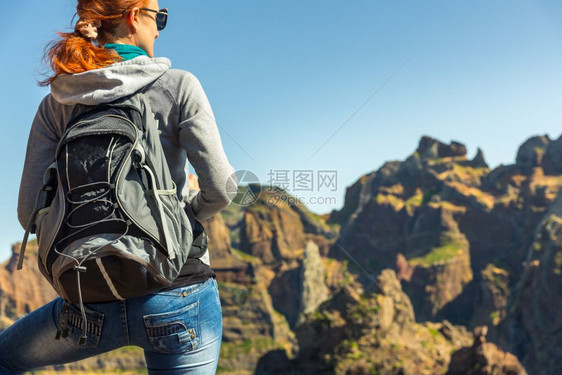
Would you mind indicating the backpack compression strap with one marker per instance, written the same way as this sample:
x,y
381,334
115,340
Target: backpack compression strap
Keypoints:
x,y
49,179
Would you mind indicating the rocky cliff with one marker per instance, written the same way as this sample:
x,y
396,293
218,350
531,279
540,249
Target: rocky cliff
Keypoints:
x,y
22,291
463,238
533,326
375,332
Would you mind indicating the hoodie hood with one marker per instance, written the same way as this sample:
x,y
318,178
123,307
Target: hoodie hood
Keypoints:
x,y
108,84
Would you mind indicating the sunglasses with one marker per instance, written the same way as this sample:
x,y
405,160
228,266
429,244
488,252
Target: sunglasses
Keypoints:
x,y
161,17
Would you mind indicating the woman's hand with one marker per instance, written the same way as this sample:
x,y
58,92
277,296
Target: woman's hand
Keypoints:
x,y
193,182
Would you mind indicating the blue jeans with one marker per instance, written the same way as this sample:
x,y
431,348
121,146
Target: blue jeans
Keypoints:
x,y
180,331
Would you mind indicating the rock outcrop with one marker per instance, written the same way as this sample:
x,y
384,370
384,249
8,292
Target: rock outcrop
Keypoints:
x,y
531,153
430,148
274,230
227,264
552,161
313,287
22,291
484,358
406,216
534,322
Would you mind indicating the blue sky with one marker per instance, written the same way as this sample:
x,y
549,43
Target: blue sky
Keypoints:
x,y
283,76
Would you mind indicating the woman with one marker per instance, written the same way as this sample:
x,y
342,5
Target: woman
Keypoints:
x,y
111,55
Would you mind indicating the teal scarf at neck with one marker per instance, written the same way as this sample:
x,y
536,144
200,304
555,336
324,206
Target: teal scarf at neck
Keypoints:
x,y
126,51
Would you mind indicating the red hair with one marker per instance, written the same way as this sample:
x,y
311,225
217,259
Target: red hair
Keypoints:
x,y
75,54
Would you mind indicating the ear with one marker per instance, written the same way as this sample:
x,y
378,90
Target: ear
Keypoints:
x,y
133,20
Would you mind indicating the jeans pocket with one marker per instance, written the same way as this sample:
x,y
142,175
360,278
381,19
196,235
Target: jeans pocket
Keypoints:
x,y
71,319
174,332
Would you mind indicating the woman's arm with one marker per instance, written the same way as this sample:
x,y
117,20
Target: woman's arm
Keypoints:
x,y
200,138
41,147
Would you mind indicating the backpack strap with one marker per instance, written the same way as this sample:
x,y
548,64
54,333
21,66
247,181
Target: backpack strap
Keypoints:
x,y
49,179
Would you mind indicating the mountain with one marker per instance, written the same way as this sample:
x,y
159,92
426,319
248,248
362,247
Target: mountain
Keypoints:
x,y
435,264
463,240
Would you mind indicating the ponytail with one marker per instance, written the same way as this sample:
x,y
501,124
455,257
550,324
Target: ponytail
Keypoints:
x,y
75,52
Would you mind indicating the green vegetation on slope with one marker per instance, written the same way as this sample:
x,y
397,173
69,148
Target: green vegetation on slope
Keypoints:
x,y
450,247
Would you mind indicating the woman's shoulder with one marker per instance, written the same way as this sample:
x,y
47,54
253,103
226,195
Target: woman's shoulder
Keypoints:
x,y
181,83
181,76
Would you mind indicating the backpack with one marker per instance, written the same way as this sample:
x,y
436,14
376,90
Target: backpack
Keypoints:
x,y
108,220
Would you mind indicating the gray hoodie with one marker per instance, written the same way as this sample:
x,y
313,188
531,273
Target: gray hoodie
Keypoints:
x,y
188,130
